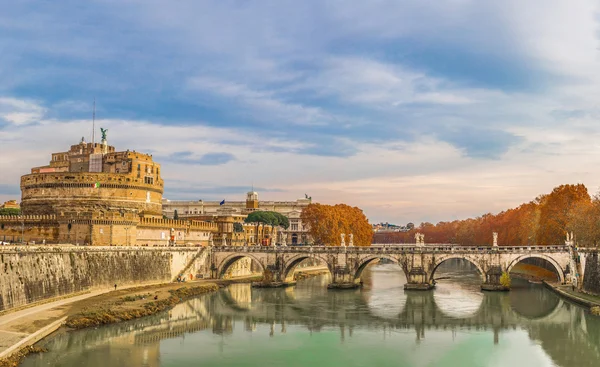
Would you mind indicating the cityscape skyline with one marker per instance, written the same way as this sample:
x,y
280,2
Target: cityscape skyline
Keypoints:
x,y
411,112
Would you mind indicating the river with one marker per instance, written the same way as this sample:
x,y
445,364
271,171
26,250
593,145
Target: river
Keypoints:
x,y
378,325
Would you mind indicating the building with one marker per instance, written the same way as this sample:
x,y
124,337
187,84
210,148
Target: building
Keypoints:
x,y
296,234
94,195
10,204
94,177
233,231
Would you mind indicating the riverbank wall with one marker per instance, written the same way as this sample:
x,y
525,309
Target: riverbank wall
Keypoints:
x,y
31,274
591,281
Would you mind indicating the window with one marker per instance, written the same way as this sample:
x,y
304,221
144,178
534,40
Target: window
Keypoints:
x,y
294,227
139,166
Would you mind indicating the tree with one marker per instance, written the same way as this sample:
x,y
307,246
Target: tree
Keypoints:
x,y
327,222
556,209
505,280
10,211
175,215
269,218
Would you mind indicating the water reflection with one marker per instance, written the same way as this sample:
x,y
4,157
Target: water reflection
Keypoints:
x,y
450,326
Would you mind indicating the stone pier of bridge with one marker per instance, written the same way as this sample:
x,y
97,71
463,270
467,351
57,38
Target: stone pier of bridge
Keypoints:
x,y
418,261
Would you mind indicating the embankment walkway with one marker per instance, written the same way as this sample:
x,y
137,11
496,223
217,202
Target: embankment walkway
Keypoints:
x,y
566,291
24,327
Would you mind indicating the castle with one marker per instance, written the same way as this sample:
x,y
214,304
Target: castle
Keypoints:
x,y
94,195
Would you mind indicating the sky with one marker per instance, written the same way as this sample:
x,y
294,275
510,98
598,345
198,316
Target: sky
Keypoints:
x,y
413,111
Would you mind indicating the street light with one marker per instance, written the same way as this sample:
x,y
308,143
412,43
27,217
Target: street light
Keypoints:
x,y
126,236
22,229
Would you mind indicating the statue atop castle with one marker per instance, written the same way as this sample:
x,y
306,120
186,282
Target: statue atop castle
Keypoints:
x,y
103,132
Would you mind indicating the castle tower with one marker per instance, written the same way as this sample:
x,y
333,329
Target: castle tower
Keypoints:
x,y
252,200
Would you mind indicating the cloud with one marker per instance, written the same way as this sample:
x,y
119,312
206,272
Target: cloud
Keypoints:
x,y
20,112
410,111
8,190
208,159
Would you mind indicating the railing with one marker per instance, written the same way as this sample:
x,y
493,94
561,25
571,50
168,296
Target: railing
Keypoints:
x,y
382,249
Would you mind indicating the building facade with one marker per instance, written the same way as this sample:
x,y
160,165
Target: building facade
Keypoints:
x,y
296,234
10,204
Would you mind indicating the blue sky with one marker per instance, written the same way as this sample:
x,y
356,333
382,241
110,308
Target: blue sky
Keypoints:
x,y
412,111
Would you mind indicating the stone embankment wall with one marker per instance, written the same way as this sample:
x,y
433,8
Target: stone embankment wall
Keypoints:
x,y
30,274
591,281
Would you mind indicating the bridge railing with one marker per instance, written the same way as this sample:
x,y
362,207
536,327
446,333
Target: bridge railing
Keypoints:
x,y
395,248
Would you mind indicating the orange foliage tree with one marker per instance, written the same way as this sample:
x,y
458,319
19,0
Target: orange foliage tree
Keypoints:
x,y
327,222
543,221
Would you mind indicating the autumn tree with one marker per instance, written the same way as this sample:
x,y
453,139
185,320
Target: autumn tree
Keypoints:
x,y
327,222
556,210
544,220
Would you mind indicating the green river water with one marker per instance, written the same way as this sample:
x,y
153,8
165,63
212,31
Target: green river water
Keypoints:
x,y
378,325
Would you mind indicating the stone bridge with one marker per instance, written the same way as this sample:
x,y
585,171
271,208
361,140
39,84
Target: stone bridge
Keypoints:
x,y
419,262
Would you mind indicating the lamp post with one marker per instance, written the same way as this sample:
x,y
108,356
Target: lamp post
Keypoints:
x,y
126,236
22,229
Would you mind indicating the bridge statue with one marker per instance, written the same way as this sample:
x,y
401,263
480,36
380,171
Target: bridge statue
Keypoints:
x,y
343,236
351,240
283,236
495,234
420,239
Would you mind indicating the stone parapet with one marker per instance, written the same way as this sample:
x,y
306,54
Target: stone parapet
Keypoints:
x,y
177,224
85,249
75,179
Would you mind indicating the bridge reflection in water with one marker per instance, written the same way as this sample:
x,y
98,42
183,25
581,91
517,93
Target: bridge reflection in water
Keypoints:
x,y
568,335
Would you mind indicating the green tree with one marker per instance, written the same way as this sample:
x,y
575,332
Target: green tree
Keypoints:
x,y
10,211
505,280
175,215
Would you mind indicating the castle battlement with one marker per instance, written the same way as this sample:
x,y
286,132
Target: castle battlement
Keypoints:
x,y
27,218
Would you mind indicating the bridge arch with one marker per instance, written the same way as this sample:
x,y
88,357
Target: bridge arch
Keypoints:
x,y
550,259
229,260
442,259
291,264
369,259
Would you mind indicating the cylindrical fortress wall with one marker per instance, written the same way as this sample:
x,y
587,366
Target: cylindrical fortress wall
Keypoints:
x,y
56,192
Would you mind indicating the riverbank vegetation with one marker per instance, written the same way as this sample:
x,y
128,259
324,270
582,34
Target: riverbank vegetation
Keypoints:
x,y
15,359
543,221
135,306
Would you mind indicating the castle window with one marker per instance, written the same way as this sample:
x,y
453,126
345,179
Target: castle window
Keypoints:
x,y
139,166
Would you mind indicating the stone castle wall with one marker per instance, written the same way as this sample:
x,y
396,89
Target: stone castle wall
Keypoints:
x,y
104,229
33,228
31,274
53,193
